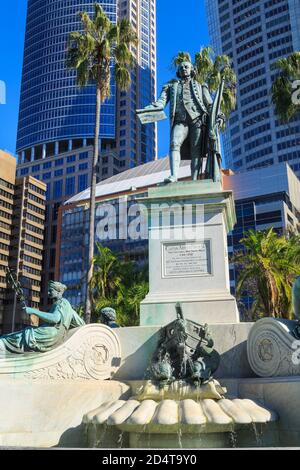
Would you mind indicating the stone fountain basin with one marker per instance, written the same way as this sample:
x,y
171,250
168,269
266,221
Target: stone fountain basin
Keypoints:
x,y
188,416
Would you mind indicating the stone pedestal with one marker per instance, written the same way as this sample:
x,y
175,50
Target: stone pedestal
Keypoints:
x,y
188,224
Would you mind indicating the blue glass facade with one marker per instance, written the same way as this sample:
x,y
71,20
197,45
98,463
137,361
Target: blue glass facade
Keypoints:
x,y
147,149
255,34
52,107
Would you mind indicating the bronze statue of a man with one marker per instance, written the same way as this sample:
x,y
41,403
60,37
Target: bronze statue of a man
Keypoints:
x,y
190,107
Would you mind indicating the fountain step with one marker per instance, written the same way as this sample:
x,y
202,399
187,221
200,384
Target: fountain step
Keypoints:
x,y
168,416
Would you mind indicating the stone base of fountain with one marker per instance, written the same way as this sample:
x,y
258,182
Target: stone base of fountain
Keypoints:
x,y
249,436
182,422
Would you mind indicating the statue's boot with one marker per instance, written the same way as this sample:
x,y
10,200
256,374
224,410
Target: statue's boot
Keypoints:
x,y
170,179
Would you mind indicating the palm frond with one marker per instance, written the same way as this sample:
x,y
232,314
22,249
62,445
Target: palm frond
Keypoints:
x,y
287,70
181,57
123,77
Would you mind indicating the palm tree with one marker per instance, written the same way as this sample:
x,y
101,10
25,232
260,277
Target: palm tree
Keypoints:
x,y
91,54
107,276
134,296
211,69
288,70
181,57
118,284
268,266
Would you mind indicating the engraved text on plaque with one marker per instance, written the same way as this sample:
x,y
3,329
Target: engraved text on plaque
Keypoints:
x,y
184,259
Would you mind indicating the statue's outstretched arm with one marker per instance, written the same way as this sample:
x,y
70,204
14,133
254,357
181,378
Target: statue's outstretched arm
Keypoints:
x,y
164,97
51,318
161,101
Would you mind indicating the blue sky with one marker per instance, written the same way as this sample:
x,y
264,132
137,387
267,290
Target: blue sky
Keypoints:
x,y
177,29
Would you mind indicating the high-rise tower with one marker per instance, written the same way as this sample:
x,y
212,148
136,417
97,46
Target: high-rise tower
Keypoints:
x,y
55,115
256,33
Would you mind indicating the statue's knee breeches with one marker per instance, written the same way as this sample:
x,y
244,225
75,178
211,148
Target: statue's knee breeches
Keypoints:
x,y
175,146
177,141
178,136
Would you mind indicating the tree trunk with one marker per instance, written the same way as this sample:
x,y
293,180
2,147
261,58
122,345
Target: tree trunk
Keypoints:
x,y
88,301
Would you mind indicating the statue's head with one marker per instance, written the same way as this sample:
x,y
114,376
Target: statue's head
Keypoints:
x,y
56,290
108,314
185,69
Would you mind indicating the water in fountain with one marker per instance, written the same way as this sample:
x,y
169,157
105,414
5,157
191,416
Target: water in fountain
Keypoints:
x,y
179,434
99,440
233,439
120,440
258,433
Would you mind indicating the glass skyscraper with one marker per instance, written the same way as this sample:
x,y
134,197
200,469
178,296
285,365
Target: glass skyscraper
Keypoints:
x,y
256,33
53,110
55,115
57,119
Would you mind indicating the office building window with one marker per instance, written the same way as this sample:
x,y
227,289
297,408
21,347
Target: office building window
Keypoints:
x,y
83,166
70,185
59,162
47,165
57,189
70,169
82,182
48,191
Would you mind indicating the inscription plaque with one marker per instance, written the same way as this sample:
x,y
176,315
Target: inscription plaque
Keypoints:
x,y
184,259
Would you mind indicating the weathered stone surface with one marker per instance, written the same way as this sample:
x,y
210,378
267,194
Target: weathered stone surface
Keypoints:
x,y
191,412
47,414
120,415
189,416
166,413
105,411
272,349
281,394
257,413
213,412
178,390
144,413
91,352
237,413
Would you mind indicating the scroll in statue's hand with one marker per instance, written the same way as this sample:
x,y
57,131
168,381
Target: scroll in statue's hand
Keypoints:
x,y
150,107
